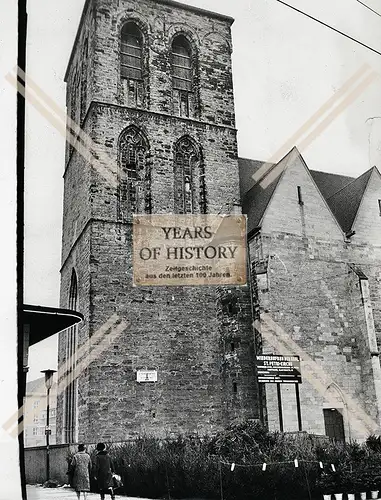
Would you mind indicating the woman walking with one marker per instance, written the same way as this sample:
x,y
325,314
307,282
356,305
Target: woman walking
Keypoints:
x,y
104,469
81,468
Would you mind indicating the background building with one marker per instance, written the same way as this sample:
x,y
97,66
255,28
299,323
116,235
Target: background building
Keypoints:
x,y
35,413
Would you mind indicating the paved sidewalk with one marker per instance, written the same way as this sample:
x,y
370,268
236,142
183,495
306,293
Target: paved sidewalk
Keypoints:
x,y
40,493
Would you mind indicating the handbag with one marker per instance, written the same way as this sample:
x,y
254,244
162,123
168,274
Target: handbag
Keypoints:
x,y
116,481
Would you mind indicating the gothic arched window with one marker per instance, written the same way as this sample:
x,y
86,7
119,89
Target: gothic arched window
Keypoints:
x,y
73,293
189,182
182,74
131,56
84,66
134,173
70,402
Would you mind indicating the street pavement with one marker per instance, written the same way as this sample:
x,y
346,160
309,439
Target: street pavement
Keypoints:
x,y
40,493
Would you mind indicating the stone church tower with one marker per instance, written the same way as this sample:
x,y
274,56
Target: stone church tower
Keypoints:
x,y
150,84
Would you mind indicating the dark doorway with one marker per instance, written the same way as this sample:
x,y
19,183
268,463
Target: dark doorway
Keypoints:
x,y
334,424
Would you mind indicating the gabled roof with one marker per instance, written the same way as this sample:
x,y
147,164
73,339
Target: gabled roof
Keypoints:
x,y
345,202
256,200
247,168
343,194
328,183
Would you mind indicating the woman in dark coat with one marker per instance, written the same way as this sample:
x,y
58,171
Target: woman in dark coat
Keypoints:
x,y
103,471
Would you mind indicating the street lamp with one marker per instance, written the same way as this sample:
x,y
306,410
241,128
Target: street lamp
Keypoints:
x,y
48,384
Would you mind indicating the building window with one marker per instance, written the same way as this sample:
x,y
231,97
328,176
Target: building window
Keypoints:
x,y
181,64
300,198
235,387
84,63
182,74
35,404
131,53
379,207
189,182
71,387
35,419
35,431
134,173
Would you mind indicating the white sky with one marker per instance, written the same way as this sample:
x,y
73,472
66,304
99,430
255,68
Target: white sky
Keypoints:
x,y
285,67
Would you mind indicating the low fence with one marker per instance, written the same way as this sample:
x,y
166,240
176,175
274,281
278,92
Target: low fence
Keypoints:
x,y
35,463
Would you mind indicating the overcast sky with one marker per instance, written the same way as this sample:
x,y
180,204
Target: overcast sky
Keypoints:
x,y
285,67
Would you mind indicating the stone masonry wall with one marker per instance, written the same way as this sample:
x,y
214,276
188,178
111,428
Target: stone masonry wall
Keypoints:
x,y
366,243
79,261
317,304
80,73
181,332
218,144
311,302
174,330
210,38
76,202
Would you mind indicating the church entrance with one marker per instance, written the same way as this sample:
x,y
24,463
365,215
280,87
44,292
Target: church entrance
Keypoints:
x,y
334,424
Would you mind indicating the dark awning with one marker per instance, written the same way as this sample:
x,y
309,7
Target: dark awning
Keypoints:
x,y
47,321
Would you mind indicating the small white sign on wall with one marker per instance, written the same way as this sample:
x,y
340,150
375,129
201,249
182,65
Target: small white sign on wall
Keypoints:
x,y
146,376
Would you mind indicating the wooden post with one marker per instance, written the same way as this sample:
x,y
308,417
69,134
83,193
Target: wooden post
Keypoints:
x,y
298,409
280,407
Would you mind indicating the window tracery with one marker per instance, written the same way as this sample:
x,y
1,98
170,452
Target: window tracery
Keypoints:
x,y
189,182
134,181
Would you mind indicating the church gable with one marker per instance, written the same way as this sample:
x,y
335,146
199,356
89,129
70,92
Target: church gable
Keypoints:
x,y
297,206
367,223
346,202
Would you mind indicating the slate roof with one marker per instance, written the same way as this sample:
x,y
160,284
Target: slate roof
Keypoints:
x,y
330,183
247,168
345,202
342,193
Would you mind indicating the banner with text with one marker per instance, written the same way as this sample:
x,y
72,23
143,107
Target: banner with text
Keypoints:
x,y
189,250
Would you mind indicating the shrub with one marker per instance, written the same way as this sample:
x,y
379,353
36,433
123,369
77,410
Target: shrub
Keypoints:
x,y
194,466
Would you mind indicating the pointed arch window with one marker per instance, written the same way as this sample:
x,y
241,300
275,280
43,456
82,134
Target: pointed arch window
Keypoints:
x,y
131,56
182,75
182,64
70,402
134,173
84,65
189,182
